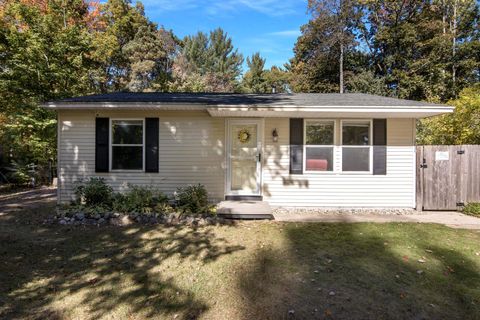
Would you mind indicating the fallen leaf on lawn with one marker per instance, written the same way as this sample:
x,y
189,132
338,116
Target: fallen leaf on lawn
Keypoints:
x,y
428,250
405,258
402,295
328,313
93,281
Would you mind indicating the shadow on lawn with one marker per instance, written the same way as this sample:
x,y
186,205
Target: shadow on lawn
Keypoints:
x,y
104,268
349,271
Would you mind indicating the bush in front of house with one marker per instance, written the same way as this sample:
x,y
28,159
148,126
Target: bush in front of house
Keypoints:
x,y
472,208
139,199
94,193
96,196
193,199
97,205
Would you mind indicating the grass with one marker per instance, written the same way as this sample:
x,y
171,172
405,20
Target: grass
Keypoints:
x,y
252,270
473,209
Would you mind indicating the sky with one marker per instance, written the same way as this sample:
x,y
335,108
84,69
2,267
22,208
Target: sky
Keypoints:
x,y
270,27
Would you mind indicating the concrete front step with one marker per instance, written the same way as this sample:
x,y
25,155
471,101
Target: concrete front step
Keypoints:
x,y
244,209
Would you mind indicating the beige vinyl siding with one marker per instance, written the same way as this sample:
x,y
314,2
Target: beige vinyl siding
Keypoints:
x,y
396,189
191,150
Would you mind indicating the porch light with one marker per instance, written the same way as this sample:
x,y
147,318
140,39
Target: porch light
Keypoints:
x,y
275,135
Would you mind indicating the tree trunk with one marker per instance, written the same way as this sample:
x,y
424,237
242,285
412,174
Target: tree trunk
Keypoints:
x,y
341,66
454,42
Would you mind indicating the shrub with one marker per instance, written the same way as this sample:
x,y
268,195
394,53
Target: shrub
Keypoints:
x,y
472,208
193,199
95,192
138,199
164,208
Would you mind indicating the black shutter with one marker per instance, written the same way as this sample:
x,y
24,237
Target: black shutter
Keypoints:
x,y
101,144
296,146
380,146
151,144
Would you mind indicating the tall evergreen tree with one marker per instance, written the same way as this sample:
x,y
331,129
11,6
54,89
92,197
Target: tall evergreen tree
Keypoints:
x,y
211,59
254,78
150,56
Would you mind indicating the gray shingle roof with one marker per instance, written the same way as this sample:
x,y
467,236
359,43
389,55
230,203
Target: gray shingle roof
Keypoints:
x,y
265,100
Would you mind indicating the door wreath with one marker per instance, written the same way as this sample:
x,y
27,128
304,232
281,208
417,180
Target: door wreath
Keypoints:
x,y
244,135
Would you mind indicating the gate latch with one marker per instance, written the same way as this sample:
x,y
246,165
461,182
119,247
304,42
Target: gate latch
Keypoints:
x,y
460,151
424,164
460,204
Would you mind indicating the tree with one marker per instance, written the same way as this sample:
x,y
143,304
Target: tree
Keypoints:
x,y
321,50
415,45
367,82
421,49
460,127
254,78
45,55
118,24
277,80
150,56
211,58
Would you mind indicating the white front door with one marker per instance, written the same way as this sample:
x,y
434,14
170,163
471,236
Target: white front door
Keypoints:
x,y
244,157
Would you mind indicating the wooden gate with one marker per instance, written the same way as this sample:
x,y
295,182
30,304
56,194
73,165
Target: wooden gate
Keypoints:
x,y
448,177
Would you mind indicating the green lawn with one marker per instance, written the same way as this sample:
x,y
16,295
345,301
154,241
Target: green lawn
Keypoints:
x,y
252,270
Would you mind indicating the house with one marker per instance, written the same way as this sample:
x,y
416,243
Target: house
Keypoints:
x,y
329,150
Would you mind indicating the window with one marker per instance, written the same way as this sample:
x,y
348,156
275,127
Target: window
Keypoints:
x,y
319,145
127,145
356,145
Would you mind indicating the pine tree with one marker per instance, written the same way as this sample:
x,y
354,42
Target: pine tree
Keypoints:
x,y
254,78
211,58
149,54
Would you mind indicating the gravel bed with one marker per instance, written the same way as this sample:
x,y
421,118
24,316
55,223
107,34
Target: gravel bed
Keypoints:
x,y
341,211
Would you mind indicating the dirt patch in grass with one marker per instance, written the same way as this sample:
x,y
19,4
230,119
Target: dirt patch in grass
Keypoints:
x,y
253,270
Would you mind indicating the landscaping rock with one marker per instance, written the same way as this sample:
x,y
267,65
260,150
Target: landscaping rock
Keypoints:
x,y
121,221
80,216
151,218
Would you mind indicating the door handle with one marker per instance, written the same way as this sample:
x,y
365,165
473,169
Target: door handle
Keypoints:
x,y
259,157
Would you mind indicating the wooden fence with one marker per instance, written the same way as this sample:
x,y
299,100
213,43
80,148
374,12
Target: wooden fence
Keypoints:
x,y
448,177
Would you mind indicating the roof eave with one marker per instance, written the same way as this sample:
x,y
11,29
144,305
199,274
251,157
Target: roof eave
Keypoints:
x,y
331,111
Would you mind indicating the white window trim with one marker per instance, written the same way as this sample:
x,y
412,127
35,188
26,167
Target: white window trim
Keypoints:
x,y
305,146
370,146
111,145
